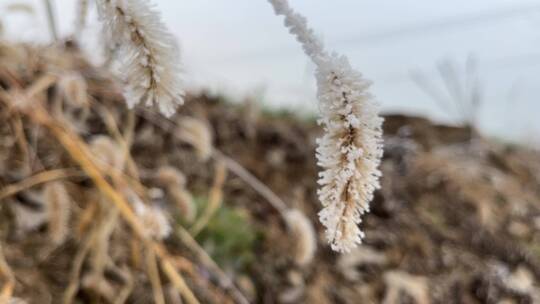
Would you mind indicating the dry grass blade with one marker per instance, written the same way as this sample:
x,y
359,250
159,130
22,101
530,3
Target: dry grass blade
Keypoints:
x,y
153,274
224,281
39,86
7,290
78,261
214,201
251,180
20,136
39,178
178,281
86,218
135,250
105,227
123,140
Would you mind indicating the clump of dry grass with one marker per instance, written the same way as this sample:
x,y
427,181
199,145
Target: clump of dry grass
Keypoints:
x,y
119,198
123,243
51,101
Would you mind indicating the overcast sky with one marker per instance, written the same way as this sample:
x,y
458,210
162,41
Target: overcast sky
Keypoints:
x,y
238,47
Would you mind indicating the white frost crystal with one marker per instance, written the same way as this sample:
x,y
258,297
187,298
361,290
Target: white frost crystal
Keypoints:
x,y
147,52
350,150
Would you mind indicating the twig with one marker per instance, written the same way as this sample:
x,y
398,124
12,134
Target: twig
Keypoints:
x,y
39,178
167,125
252,181
224,281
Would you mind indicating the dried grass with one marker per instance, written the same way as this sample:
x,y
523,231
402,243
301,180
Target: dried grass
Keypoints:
x,y
107,162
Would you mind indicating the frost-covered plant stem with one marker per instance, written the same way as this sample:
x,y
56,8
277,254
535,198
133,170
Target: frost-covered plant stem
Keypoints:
x,y
148,53
350,150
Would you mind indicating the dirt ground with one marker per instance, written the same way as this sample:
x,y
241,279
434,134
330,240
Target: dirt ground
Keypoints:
x,y
457,219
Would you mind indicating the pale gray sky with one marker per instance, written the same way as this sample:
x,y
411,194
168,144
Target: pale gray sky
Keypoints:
x,y
239,47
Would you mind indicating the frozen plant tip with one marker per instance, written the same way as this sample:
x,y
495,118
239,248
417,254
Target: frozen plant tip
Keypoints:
x,y
350,150
147,53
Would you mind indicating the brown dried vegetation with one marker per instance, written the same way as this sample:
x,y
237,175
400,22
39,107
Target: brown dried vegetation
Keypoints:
x,y
456,221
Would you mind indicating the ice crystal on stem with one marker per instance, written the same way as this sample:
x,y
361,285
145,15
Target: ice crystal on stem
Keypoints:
x,y
147,52
350,150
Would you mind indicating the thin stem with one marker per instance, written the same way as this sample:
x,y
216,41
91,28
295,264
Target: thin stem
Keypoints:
x,y
39,178
251,180
215,199
167,125
51,20
5,271
224,281
153,274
